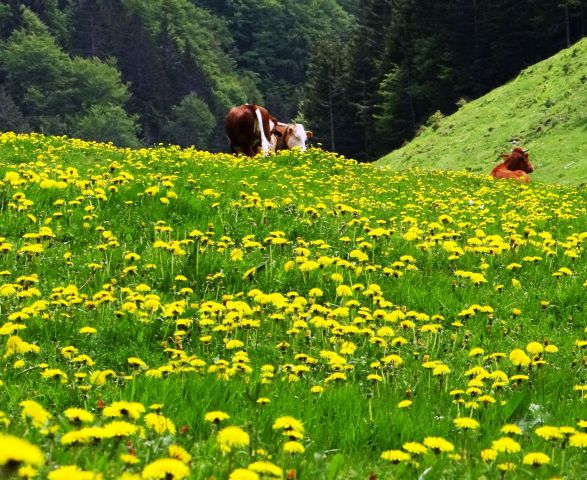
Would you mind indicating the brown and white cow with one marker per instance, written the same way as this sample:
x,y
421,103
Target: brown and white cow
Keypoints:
x,y
516,165
249,128
287,136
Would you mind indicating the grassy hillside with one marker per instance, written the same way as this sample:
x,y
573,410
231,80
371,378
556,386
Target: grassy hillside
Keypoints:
x,y
544,108
170,314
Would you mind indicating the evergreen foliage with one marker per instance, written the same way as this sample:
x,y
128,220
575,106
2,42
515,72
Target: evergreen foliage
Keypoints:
x,y
363,74
191,122
411,58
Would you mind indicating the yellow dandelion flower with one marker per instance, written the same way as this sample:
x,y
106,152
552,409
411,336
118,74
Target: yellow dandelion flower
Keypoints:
x,y
54,373
536,459
179,453
293,447
578,440
129,459
16,451
511,429
100,377
466,423
288,423
250,273
415,448
4,421
519,358
119,429
315,293
440,370
549,433
232,437
216,417
124,409
31,409
338,278
72,472
165,469
87,330
243,474
506,445
232,344
438,444
266,468
78,415
488,455
506,467
344,291
309,266
160,423
83,436
396,456
534,348
26,471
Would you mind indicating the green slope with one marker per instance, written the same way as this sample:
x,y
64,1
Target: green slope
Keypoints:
x,y
544,108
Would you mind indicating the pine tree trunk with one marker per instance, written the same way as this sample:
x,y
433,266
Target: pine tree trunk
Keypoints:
x,y
331,117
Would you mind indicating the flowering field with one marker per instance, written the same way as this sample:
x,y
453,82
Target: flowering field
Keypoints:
x,y
169,314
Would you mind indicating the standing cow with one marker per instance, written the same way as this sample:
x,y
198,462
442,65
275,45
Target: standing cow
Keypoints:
x,y
249,128
252,129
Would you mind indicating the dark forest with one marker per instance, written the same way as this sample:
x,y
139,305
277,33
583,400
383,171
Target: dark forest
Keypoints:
x,y
364,75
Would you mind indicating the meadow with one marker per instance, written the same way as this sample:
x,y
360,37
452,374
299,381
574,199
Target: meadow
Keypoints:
x,y
544,108
170,314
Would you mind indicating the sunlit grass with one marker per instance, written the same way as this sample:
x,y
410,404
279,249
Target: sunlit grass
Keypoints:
x,y
401,323
544,109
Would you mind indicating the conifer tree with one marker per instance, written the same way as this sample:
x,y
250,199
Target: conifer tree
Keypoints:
x,y
323,104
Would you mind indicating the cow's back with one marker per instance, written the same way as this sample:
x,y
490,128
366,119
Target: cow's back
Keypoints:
x,y
501,171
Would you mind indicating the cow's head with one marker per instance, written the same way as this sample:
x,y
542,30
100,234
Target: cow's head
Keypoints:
x,y
292,136
518,160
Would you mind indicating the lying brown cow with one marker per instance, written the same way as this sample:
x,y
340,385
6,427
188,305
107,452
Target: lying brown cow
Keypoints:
x,y
516,165
248,128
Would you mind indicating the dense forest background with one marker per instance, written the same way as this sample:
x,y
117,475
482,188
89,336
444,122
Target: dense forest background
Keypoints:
x,y
364,75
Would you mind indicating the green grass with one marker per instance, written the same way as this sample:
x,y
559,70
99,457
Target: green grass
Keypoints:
x,y
100,204
544,109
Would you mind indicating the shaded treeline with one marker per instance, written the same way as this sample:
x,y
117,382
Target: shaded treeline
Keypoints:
x,y
363,74
411,58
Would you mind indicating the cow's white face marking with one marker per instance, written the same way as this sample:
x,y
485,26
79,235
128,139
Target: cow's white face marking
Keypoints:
x,y
297,137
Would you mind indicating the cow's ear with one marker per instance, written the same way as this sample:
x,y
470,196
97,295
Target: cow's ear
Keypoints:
x,y
290,130
309,134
